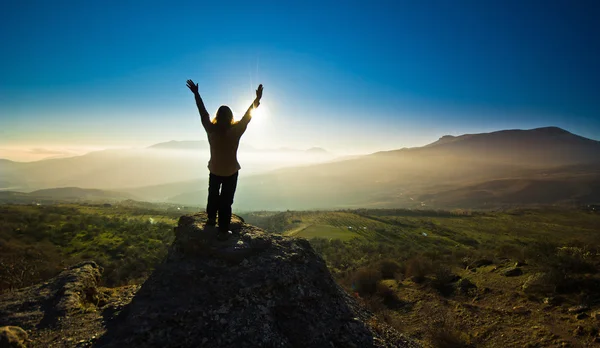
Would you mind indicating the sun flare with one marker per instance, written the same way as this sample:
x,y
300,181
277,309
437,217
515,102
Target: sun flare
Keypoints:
x,y
258,112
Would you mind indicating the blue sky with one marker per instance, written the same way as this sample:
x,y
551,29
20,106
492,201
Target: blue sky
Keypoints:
x,y
348,76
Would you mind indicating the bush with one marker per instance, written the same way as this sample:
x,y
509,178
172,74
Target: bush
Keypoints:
x,y
448,337
389,268
444,333
388,296
443,279
575,260
365,281
561,268
417,268
510,251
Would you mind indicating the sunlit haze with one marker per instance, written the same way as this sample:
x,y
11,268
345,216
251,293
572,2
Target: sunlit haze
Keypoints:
x,y
358,78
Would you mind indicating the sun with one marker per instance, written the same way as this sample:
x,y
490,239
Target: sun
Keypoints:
x,y
260,113
257,112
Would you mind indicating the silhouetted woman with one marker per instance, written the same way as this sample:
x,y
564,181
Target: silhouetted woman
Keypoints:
x,y
224,138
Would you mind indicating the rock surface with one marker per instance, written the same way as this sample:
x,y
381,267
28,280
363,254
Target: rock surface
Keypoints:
x,y
12,337
539,283
253,290
512,272
578,309
44,304
66,311
465,286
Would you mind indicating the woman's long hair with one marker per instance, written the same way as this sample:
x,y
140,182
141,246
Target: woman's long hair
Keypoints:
x,y
224,117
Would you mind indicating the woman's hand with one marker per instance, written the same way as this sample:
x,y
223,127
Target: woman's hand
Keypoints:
x,y
259,91
194,87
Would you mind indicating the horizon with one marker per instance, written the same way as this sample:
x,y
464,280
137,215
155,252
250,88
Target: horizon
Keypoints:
x,y
357,79
25,155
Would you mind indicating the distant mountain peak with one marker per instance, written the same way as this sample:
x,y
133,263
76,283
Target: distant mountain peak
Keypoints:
x,y
551,130
533,134
180,145
316,150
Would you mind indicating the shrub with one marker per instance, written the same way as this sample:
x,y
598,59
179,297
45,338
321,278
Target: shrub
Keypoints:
x,y
388,296
448,337
389,268
417,268
443,279
510,251
444,333
575,260
365,281
561,268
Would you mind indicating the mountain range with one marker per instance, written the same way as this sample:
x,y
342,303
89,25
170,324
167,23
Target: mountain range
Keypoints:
x,y
509,167
118,169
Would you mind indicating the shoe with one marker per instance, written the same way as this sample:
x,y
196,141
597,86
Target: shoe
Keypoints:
x,y
211,222
223,235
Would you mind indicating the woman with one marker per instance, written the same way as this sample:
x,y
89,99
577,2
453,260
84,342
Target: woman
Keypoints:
x,y
224,138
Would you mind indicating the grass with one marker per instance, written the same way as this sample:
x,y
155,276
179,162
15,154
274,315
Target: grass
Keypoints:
x,y
38,241
516,227
327,232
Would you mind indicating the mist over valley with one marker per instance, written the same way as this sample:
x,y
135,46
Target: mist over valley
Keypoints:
x,y
511,167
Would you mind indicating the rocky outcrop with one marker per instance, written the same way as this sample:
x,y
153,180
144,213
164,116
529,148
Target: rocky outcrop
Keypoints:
x,y
512,272
12,337
42,305
253,290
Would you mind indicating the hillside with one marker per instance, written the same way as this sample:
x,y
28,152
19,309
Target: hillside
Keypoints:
x,y
63,194
454,172
488,170
544,147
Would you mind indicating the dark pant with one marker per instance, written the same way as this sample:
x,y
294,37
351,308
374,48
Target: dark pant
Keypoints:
x,y
221,202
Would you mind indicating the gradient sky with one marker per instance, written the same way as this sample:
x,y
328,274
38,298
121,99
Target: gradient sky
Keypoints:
x,y
349,76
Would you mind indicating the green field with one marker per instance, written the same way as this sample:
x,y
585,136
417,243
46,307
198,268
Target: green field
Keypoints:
x,y
325,231
127,239
452,228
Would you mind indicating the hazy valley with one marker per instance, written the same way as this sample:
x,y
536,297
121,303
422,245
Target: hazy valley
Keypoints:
x,y
505,168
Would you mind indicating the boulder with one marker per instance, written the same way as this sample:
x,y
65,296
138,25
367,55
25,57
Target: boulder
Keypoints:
x,y
553,301
512,272
541,283
521,310
578,309
12,337
44,304
465,286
